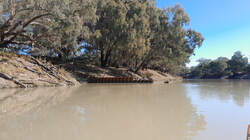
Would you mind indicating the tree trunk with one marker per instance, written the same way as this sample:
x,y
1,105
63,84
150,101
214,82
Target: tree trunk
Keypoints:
x,y
144,62
105,57
102,59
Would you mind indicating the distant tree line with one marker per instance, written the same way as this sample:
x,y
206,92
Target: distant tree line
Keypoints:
x,y
119,33
221,67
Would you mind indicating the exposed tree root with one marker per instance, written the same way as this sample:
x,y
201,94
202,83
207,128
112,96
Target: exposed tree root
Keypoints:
x,y
7,77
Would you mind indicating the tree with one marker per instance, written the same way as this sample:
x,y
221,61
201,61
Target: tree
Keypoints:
x,y
248,69
217,68
109,32
238,63
195,72
48,27
17,18
171,44
66,26
224,59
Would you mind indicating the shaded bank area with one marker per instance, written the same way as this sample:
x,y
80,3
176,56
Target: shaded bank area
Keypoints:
x,y
82,71
28,72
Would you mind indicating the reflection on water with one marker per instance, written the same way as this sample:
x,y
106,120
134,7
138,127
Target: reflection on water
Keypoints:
x,y
14,102
224,90
225,105
100,112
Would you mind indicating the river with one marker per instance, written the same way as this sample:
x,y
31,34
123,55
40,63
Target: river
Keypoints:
x,y
192,110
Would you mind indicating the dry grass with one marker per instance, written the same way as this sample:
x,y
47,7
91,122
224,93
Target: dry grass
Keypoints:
x,y
64,73
3,70
10,69
11,55
38,69
8,54
20,70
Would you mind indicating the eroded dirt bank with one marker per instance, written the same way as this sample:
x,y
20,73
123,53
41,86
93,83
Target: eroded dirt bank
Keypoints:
x,y
24,71
27,72
82,71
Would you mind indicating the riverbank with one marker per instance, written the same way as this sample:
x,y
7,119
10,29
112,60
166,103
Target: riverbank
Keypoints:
x,y
29,72
82,71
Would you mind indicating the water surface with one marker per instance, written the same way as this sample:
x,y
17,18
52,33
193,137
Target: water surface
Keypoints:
x,y
192,110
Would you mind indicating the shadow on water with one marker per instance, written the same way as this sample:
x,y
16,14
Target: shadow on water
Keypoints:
x,y
101,112
223,90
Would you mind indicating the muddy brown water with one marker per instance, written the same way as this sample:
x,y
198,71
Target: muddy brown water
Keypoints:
x,y
192,110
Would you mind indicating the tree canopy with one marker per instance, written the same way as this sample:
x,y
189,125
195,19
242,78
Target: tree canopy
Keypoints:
x,y
121,33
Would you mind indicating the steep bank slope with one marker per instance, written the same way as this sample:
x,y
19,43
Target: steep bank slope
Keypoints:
x,y
24,71
28,72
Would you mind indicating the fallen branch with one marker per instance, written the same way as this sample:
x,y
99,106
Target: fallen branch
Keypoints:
x,y
31,70
7,77
48,70
51,72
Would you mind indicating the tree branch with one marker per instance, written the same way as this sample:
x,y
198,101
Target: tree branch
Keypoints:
x,y
35,18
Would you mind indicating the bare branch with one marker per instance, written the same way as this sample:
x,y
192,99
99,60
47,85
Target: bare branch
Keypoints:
x,y
34,18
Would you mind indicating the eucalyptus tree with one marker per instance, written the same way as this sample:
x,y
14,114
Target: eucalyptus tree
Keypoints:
x,y
171,43
121,35
49,27
109,31
138,32
66,26
16,20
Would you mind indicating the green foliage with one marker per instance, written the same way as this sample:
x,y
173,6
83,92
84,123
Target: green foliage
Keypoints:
x,y
171,44
248,68
130,33
17,21
222,66
238,62
217,68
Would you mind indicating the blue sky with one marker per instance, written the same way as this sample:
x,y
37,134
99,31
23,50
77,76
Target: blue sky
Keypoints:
x,y
225,25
